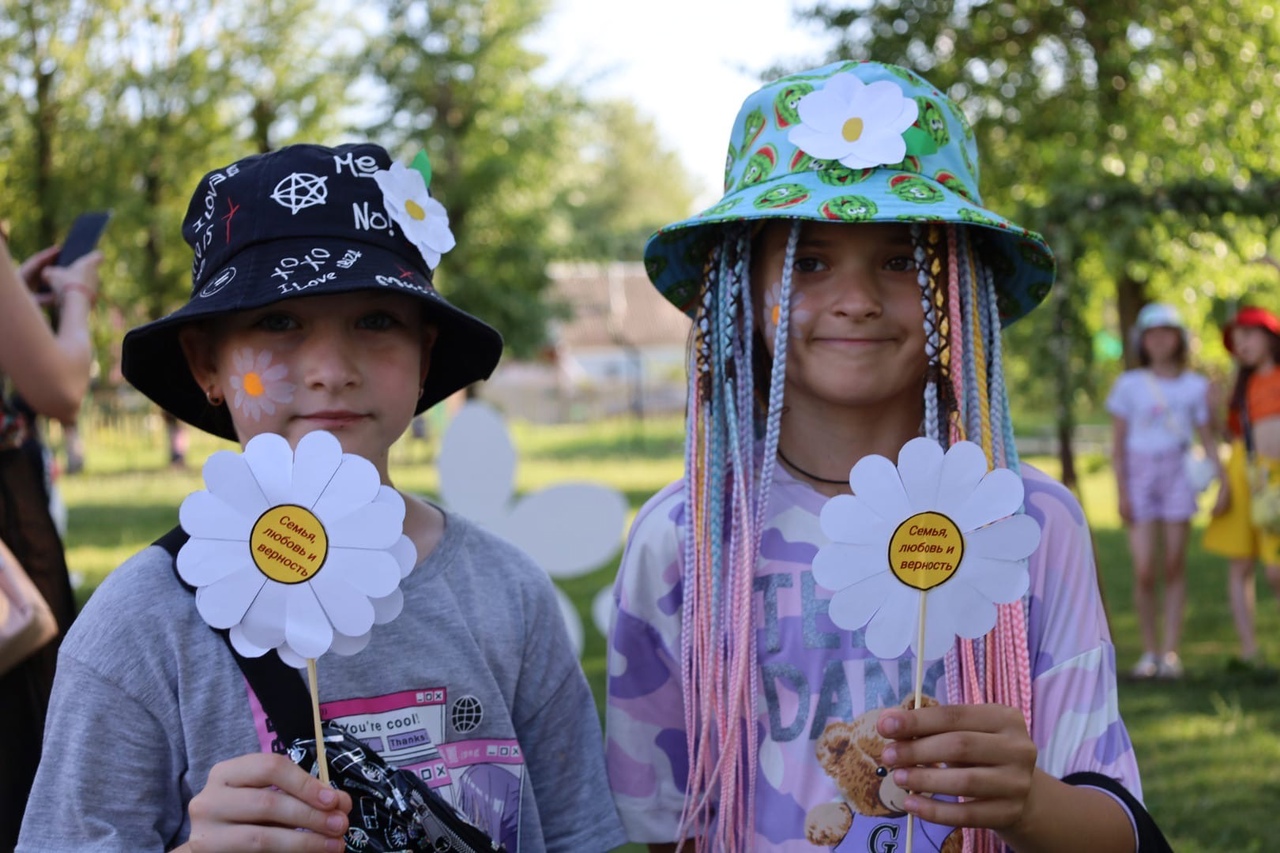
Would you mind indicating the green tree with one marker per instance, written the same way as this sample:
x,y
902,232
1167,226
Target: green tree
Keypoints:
x,y
459,84
1139,138
622,186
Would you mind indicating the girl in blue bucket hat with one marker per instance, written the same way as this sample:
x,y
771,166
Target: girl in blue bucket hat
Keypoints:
x,y
848,293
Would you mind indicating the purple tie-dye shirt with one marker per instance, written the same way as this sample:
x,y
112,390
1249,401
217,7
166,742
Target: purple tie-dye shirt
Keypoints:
x,y
812,673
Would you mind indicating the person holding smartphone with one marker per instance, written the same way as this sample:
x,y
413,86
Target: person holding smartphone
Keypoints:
x,y
44,368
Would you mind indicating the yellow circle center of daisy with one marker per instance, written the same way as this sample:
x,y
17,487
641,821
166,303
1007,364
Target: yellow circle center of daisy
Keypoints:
x,y
926,550
415,210
775,314
288,544
852,130
253,385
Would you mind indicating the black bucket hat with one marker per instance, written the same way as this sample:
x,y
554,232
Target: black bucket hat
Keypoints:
x,y
307,220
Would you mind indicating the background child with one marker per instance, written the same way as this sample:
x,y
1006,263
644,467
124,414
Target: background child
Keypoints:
x,y
1156,411
851,278
153,741
1253,339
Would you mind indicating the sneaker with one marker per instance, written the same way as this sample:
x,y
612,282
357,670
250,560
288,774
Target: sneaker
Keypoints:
x,y
1146,667
1170,668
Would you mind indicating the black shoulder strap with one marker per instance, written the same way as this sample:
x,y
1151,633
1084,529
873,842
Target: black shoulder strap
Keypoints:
x,y
1150,838
277,685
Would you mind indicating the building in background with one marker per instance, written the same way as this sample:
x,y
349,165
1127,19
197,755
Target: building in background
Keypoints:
x,y
620,354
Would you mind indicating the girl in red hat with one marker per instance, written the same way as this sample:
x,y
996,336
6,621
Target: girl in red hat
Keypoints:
x,y
1248,530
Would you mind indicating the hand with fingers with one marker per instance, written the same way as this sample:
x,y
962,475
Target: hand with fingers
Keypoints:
x,y
981,754
260,802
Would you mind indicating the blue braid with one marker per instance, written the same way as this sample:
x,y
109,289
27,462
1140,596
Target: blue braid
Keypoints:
x,y
777,377
931,333
968,369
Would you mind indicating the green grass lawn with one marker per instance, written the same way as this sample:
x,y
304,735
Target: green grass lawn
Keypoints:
x,y
1208,746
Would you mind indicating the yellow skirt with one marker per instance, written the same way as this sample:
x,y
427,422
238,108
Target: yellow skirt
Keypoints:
x,y
1232,534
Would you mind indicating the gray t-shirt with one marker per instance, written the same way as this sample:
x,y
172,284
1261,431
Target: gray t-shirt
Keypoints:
x,y
474,686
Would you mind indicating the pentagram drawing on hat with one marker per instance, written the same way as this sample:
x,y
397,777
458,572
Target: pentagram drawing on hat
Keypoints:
x,y
301,190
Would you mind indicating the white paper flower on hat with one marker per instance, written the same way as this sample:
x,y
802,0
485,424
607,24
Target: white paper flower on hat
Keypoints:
x,y
301,552
940,524
569,529
773,307
859,124
258,384
424,220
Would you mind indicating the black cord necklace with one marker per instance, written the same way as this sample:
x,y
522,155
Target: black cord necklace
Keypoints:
x,y
813,477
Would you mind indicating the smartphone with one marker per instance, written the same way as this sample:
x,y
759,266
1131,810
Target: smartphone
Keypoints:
x,y
83,236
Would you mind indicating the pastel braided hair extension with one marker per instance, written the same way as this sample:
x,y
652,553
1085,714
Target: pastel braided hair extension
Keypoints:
x,y
727,490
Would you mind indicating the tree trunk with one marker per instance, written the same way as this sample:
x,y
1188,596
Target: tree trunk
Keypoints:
x,y
1130,297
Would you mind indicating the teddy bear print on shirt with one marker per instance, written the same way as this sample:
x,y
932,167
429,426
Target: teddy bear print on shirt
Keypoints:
x,y
870,815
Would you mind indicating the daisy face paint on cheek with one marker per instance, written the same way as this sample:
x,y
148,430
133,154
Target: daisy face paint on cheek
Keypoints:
x,y
259,384
773,308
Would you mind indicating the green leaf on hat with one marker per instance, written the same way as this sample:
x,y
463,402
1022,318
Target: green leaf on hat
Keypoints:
x,y
422,163
919,142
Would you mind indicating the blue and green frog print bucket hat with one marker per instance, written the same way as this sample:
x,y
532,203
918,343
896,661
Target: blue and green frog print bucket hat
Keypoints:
x,y
853,142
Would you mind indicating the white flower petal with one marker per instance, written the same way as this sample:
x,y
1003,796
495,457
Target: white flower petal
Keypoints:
x,y
315,460
374,572
998,495
844,518
204,561
976,615
354,485
388,607
290,657
895,625
223,602
205,516
961,611
280,392
815,143
568,529
348,610
263,622
919,464
370,526
306,628
270,459
823,110
1001,581
838,565
406,555
884,102
243,646
876,484
344,645
477,464
229,477
963,467
1014,538
851,607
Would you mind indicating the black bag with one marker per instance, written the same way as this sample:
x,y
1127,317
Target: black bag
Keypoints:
x,y
393,811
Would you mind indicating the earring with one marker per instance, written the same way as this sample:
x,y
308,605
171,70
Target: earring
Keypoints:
x,y
214,398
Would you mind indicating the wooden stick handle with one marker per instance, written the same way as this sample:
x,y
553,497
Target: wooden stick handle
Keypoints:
x,y
321,761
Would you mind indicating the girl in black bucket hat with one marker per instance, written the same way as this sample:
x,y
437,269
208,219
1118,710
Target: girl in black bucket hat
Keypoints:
x,y
312,308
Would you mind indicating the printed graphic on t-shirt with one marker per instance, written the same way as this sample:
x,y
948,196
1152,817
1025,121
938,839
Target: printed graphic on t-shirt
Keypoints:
x,y
482,778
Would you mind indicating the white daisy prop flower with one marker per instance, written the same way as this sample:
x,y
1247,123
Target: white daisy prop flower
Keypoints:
x,y
569,529
297,551
859,124
936,524
258,384
424,220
